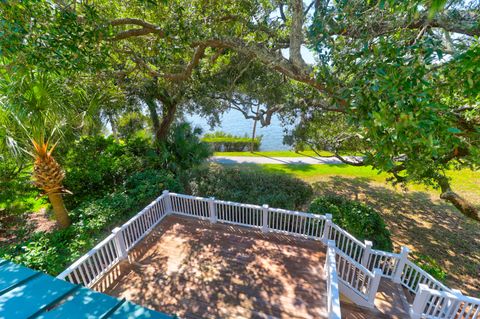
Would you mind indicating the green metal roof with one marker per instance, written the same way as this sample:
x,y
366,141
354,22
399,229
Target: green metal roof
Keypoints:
x,y
26,293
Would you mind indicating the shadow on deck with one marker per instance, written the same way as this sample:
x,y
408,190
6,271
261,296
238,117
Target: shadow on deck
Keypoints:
x,y
200,270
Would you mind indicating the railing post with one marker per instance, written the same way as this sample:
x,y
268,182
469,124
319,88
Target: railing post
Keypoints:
x,y
377,276
419,302
366,253
212,210
265,218
330,246
326,229
120,243
397,276
168,201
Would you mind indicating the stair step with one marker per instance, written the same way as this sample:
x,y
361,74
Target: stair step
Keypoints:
x,y
390,302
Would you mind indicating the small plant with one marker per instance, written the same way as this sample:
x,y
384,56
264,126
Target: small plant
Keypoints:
x,y
430,265
358,219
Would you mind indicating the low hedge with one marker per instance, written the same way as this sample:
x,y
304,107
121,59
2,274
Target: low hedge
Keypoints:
x,y
251,186
223,142
360,220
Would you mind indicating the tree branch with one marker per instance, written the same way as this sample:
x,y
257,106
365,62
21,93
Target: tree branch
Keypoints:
x,y
282,14
182,76
296,34
274,60
147,28
465,25
177,77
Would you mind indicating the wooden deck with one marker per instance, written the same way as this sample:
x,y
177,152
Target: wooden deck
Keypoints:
x,y
198,270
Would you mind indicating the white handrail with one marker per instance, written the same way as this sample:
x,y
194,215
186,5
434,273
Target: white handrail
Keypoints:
x,y
90,268
435,304
363,282
412,276
83,258
333,291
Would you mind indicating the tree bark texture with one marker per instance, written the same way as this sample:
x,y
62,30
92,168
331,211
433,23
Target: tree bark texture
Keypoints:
x,y
59,210
464,206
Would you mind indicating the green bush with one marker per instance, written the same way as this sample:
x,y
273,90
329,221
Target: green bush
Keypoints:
x,y
251,186
96,166
223,142
358,219
184,150
52,252
430,265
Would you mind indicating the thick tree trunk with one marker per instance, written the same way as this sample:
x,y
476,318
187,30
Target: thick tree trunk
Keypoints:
x,y
152,108
464,206
169,111
59,210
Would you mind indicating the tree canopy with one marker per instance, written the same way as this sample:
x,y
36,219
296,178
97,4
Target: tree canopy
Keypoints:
x,y
402,76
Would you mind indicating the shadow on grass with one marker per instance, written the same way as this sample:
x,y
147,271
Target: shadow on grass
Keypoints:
x,y
428,226
291,167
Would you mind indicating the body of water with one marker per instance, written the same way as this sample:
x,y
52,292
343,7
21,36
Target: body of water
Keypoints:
x,y
233,122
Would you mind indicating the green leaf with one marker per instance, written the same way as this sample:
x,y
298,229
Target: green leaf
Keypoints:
x,y
454,130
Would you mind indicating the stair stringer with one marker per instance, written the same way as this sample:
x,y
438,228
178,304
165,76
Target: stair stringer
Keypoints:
x,y
353,296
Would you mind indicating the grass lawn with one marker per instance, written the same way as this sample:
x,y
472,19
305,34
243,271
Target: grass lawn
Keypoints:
x,y
416,216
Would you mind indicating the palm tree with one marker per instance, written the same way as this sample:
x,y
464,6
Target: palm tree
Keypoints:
x,y
31,107
48,176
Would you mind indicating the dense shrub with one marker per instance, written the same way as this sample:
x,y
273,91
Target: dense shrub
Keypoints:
x,y
251,186
358,219
52,252
96,166
184,150
17,194
223,142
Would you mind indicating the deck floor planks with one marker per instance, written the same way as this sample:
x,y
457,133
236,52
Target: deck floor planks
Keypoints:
x,y
200,270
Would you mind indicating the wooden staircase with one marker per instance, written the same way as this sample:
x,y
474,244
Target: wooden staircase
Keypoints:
x,y
390,302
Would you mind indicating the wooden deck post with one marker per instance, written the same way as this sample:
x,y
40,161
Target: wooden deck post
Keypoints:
x,y
397,276
377,276
421,299
366,253
326,229
212,211
265,218
120,243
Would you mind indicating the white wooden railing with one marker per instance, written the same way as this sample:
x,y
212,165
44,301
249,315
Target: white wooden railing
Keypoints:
x,y
358,265
91,267
345,242
361,284
331,275
432,303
